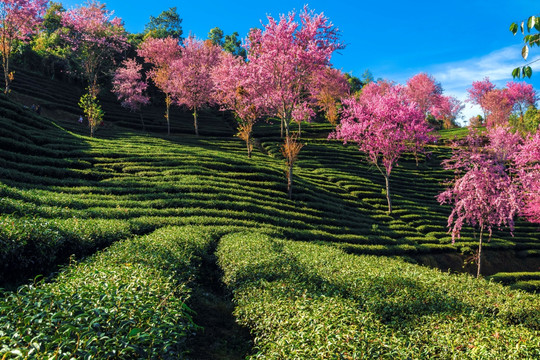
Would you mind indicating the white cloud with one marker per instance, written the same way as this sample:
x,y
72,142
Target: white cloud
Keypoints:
x,y
456,77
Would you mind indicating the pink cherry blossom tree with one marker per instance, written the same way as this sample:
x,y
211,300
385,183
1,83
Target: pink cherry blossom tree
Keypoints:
x,y
527,159
381,128
191,75
289,53
237,88
478,91
18,20
96,36
497,105
447,110
484,194
329,87
161,53
425,91
522,95
130,88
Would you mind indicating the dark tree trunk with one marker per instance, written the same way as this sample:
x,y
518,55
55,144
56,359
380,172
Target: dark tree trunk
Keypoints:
x,y
479,259
195,123
388,199
142,121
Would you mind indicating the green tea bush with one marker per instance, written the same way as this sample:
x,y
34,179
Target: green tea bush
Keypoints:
x,y
128,302
32,246
512,277
310,301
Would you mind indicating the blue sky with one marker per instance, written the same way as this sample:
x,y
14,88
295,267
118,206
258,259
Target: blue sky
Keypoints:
x,y
457,41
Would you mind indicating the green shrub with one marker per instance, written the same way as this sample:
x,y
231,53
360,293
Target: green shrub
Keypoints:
x,y
310,301
128,302
32,246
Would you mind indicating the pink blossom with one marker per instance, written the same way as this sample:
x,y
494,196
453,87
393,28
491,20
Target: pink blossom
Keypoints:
x,y
424,90
191,75
288,54
497,105
382,127
95,35
447,109
485,193
129,86
18,20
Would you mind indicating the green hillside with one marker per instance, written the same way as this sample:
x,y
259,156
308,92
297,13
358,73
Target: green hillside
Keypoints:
x,y
135,217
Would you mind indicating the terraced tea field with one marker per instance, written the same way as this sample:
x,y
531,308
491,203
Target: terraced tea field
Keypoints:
x,y
135,217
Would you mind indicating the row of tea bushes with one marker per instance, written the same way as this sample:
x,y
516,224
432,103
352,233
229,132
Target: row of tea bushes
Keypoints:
x,y
528,281
310,301
127,302
31,246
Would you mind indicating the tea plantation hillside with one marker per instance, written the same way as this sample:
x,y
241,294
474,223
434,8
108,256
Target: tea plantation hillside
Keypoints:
x,y
135,218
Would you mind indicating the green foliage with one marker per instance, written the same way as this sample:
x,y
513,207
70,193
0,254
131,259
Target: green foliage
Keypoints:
x,y
303,300
215,35
531,119
63,193
34,245
92,110
231,43
355,83
127,302
508,278
532,23
367,77
167,23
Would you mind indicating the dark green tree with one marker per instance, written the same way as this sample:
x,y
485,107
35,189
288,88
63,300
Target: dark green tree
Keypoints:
x,y
52,20
215,35
367,77
355,84
168,23
233,45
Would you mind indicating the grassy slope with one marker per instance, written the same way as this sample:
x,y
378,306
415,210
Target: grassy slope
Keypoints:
x,y
81,194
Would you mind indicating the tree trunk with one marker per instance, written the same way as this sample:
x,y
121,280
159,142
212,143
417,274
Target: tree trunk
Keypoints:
x,y
168,103
289,180
91,130
480,252
142,121
195,122
388,194
282,128
299,130
248,144
5,65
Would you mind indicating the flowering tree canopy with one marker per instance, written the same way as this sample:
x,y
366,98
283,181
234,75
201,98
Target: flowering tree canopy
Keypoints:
x,y
497,106
425,91
95,36
477,92
289,53
484,194
381,125
161,53
238,88
329,87
18,20
129,86
522,96
191,75
447,110
527,159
